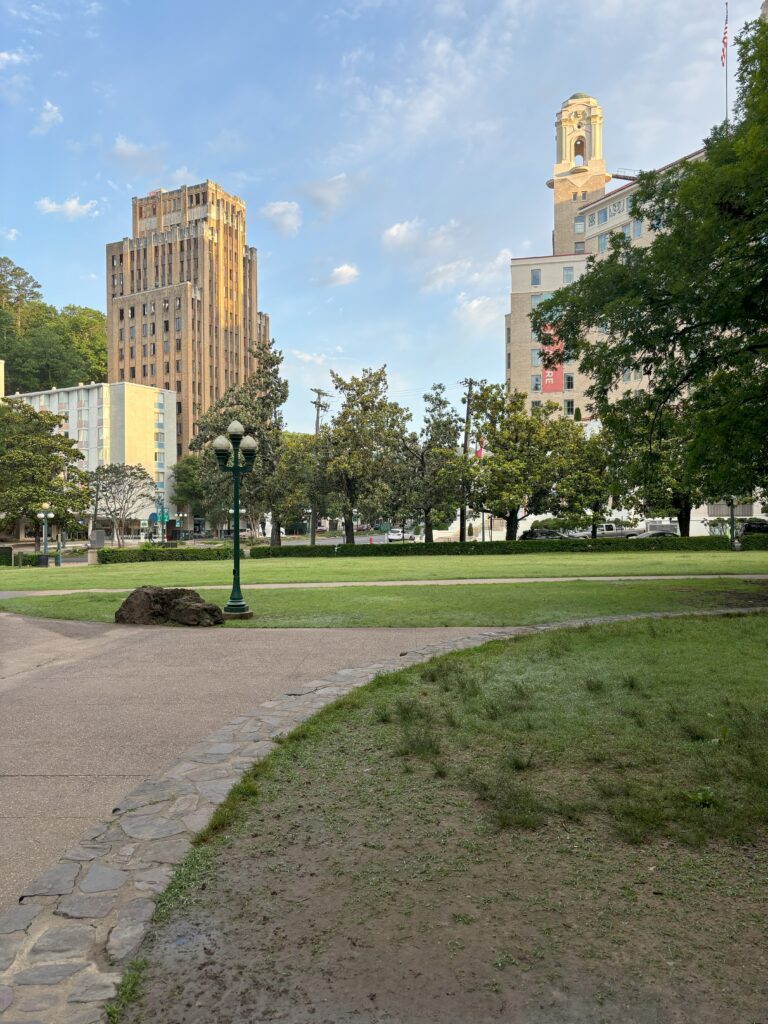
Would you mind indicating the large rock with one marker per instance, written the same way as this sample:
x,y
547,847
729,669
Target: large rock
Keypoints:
x,y
154,606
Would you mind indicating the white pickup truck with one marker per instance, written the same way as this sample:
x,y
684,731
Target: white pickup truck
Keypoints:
x,y
611,530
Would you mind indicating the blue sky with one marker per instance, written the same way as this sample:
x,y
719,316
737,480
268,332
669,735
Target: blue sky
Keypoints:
x,y
392,153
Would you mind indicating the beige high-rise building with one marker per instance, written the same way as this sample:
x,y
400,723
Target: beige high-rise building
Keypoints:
x,y
182,299
584,216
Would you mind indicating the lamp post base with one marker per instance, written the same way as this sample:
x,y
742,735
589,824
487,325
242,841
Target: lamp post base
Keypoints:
x,y
247,614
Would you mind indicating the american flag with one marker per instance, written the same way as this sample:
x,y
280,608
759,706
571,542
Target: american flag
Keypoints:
x,y
724,51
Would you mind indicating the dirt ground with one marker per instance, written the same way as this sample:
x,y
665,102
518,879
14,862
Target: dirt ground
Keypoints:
x,y
364,891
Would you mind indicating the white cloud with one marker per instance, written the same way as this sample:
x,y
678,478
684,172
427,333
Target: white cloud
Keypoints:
x,y
446,275
33,12
10,234
47,118
183,176
328,195
12,58
403,234
480,314
71,208
317,358
494,272
284,216
139,157
345,274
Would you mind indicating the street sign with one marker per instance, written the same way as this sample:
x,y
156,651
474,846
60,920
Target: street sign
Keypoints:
x,y
144,523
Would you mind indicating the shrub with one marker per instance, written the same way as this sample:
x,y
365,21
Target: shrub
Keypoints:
x,y
755,542
113,556
496,547
6,555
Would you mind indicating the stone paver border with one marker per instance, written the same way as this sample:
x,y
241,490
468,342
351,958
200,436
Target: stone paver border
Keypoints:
x,y
62,949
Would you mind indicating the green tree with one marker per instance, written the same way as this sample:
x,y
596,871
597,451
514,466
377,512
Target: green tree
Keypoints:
x,y
86,331
189,485
432,467
17,288
38,464
691,310
257,403
527,458
122,493
363,445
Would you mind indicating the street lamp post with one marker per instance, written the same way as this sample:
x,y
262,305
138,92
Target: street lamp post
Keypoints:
x,y
44,518
235,445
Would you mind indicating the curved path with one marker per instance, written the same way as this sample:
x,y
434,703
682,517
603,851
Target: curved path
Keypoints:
x,y
88,710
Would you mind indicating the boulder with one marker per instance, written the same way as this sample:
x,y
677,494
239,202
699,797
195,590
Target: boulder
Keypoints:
x,y
156,606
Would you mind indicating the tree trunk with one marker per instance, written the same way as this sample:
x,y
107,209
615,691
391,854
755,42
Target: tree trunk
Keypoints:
x,y
349,528
594,530
275,540
512,520
428,531
684,518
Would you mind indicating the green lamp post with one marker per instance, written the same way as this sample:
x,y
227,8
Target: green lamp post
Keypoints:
x,y
237,443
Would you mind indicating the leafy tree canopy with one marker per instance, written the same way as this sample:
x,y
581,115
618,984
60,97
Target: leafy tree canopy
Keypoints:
x,y
690,311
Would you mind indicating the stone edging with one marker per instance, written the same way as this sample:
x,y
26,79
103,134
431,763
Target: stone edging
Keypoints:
x,y
62,947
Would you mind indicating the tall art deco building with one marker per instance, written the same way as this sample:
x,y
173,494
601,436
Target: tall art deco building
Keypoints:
x,y
182,300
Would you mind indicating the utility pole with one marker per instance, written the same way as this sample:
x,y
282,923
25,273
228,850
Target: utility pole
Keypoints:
x,y
469,384
320,406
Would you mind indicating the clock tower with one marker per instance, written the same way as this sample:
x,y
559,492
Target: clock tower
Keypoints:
x,y
579,174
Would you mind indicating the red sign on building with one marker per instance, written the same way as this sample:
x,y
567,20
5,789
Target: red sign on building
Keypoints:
x,y
551,377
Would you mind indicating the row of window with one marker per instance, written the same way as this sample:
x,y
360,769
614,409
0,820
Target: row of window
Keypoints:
x,y
568,406
536,277
633,230
569,381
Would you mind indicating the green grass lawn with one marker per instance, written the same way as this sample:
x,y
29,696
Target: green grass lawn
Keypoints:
x,y
490,604
311,570
499,834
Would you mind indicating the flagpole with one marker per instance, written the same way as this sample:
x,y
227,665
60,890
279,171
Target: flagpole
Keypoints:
x,y
726,64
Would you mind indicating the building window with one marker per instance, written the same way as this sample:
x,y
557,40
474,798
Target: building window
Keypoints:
x,y
567,275
121,314
568,382
178,366
131,332
178,386
178,323
569,407
535,277
535,382
626,376
602,242
637,228
602,215
535,357
132,353
178,344
536,299
579,225
178,303
122,375
166,326
131,312
509,361
120,334
133,373
144,370
578,247
575,196
144,330
625,229
144,350
121,354
535,404
583,196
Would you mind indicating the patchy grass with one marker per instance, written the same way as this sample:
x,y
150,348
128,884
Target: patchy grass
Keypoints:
x,y
128,991
418,567
488,604
504,833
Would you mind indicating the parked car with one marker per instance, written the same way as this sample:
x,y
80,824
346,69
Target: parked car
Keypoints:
x,y
397,534
755,526
611,530
654,533
543,535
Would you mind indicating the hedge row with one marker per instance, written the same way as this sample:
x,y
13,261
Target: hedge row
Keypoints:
x,y
112,556
7,559
496,547
754,542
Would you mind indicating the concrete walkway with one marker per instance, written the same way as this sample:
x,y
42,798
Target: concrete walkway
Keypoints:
x,y
402,583
87,710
